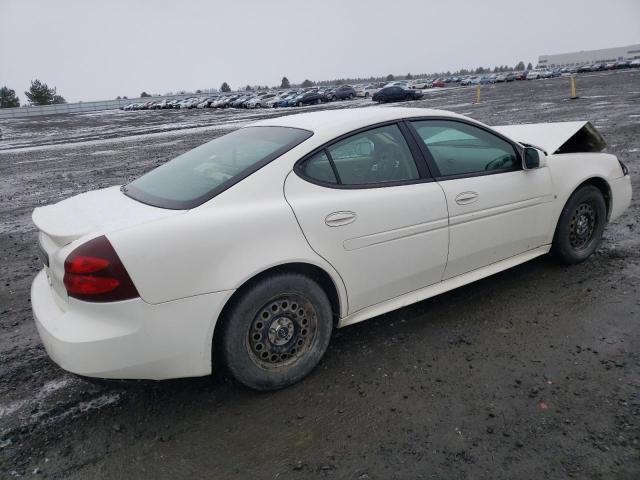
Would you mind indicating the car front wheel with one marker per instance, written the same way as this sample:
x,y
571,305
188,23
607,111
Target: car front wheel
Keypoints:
x,y
276,332
582,221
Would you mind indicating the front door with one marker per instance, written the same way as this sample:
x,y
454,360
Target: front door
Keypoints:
x,y
496,209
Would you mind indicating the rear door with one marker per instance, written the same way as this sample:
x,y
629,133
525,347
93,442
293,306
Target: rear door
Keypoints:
x,y
496,209
367,207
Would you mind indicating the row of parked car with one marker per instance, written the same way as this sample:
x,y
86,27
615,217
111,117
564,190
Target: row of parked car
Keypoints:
x,y
381,92
263,99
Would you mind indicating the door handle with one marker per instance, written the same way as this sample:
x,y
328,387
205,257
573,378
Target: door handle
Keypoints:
x,y
338,219
465,198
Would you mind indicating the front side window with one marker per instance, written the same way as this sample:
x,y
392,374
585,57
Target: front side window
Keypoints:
x,y
377,156
459,149
199,174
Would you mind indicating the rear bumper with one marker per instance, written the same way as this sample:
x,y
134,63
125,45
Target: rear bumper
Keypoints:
x,y
130,339
621,196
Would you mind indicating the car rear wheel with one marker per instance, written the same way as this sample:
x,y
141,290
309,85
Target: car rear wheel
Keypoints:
x,y
299,104
319,101
277,332
351,96
582,221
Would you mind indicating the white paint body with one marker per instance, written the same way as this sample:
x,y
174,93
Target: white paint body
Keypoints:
x,y
407,243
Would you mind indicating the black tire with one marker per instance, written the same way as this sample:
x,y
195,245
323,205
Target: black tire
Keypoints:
x,y
277,332
580,227
299,104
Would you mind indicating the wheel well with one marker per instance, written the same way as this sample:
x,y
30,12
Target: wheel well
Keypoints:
x,y
312,271
602,185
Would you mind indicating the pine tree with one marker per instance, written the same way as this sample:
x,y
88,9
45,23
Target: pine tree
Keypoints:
x,y
307,83
225,87
40,94
285,83
8,98
529,66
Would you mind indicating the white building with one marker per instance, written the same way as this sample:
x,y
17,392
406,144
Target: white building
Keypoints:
x,y
590,56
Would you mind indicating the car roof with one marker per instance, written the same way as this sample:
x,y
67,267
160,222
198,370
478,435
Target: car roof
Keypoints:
x,y
351,118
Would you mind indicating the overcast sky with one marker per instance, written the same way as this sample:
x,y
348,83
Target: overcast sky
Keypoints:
x,y
99,49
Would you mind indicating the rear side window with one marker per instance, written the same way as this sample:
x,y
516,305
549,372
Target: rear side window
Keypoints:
x,y
459,149
199,174
319,168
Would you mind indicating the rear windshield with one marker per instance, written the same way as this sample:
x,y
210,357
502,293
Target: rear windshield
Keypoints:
x,y
200,174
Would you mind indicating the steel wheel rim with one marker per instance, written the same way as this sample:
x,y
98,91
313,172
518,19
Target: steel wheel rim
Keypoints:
x,y
282,331
582,226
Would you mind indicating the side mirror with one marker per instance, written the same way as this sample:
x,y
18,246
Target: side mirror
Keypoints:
x,y
531,158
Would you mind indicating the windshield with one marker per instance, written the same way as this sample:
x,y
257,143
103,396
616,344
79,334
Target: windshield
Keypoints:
x,y
200,174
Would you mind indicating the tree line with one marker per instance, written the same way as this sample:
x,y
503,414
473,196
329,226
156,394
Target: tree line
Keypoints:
x,y
39,93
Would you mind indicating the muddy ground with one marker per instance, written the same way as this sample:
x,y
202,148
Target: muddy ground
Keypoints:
x,y
532,373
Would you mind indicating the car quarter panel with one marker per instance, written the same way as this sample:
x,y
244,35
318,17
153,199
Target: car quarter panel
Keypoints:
x,y
221,244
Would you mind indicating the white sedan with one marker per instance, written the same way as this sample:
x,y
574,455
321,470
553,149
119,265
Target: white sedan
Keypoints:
x,y
250,249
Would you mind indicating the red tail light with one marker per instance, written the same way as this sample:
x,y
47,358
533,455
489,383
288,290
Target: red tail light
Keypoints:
x,y
93,272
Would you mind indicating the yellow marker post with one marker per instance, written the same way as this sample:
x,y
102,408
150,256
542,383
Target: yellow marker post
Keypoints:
x,y
478,94
573,88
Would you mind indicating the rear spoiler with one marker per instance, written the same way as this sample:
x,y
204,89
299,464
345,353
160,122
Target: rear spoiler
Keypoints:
x,y
561,137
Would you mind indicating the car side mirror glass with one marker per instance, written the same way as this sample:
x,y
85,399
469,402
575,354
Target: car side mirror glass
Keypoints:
x,y
531,158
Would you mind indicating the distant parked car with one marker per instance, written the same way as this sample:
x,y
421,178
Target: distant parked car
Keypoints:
x,y
343,92
308,97
287,100
396,93
366,91
635,63
438,82
584,68
239,102
533,75
421,83
622,64
510,77
502,77
521,75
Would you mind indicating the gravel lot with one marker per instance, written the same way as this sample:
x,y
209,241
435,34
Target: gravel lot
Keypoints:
x,y
532,373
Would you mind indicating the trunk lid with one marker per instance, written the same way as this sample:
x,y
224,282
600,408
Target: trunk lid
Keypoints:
x,y
97,211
